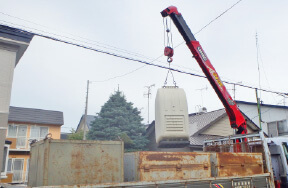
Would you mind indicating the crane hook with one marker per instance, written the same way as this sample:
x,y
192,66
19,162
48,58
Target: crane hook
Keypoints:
x,y
169,52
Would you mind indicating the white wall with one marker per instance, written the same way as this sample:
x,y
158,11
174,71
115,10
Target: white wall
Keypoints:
x,y
10,53
7,64
268,114
222,128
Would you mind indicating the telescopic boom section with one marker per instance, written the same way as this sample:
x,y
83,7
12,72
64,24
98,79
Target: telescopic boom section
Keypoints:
x,y
236,118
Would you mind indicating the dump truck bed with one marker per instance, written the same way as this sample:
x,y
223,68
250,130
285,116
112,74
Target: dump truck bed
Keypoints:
x,y
258,181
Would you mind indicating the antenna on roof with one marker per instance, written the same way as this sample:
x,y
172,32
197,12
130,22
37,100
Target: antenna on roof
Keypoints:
x,y
201,90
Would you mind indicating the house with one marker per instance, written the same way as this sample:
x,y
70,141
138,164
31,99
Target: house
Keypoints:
x,y
13,44
202,126
64,136
25,125
89,120
211,125
274,117
5,159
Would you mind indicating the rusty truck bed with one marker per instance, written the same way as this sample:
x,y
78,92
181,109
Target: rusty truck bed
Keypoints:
x,y
258,181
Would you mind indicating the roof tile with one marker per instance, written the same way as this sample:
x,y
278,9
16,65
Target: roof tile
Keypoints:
x,y
37,116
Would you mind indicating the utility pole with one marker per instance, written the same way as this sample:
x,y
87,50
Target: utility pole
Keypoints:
x,y
259,77
85,115
259,108
148,94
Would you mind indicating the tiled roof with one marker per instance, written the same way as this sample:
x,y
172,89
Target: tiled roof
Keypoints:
x,y
89,120
264,105
199,139
199,121
15,34
37,116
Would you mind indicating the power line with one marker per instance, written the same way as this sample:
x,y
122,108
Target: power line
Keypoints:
x,y
224,12
137,60
140,61
218,16
262,112
122,75
96,43
149,58
115,48
179,43
119,76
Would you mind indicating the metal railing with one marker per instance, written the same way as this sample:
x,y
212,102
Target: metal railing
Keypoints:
x,y
26,177
20,176
253,143
21,142
17,176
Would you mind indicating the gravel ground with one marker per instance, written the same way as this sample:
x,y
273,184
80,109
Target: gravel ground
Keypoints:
x,y
4,185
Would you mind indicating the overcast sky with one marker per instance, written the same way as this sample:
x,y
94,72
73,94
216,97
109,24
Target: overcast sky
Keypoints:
x,y
53,76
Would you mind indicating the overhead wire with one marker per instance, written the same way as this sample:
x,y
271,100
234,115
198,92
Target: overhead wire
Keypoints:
x,y
31,31
224,12
119,76
141,61
96,43
119,49
128,52
263,112
259,57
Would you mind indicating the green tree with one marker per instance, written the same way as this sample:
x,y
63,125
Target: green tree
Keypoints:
x,y
75,135
118,119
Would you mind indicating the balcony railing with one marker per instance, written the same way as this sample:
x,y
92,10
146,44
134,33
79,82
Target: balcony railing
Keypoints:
x,y
21,142
20,176
17,176
26,177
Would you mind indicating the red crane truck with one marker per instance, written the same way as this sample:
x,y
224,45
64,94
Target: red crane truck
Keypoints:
x,y
241,142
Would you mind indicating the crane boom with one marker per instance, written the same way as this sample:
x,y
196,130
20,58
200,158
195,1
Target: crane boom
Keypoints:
x,y
237,121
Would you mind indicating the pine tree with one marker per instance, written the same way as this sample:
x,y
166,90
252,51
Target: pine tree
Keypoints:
x,y
118,119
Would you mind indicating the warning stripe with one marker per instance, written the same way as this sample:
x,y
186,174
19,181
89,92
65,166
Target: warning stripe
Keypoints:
x,y
218,185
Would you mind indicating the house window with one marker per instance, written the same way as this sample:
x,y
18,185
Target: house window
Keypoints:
x,y
278,128
285,148
282,128
38,132
27,170
12,131
15,166
9,165
19,132
5,161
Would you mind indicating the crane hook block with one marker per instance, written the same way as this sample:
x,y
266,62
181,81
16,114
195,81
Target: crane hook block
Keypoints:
x,y
168,51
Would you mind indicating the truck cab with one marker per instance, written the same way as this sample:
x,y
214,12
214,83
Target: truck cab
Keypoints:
x,y
278,147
